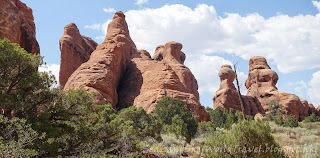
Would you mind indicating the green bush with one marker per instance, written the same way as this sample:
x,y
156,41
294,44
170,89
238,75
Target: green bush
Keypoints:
x,y
275,113
312,118
224,119
168,108
15,138
205,128
22,88
245,140
74,124
178,127
291,121
131,126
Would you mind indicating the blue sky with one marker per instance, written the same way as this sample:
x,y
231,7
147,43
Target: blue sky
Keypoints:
x,y
213,32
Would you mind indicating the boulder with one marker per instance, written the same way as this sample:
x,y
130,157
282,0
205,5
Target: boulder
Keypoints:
x,y
75,49
259,116
17,24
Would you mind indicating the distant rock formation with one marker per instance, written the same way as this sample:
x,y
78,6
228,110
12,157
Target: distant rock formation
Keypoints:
x,y
261,85
124,76
227,95
17,24
75,49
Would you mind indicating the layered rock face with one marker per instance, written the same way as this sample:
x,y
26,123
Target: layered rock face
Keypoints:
x,y
75,49
148,80
17,24
227,95
261,83
124,76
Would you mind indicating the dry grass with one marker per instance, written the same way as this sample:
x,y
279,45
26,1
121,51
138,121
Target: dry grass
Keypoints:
x,y
302,141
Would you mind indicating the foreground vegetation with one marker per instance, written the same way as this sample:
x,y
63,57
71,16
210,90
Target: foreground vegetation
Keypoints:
x,y
38,120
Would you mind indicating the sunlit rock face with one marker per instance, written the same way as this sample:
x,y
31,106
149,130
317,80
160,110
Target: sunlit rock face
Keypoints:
x,y
17,25
75,49
124,76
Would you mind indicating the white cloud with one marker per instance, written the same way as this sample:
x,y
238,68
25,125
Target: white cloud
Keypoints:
x,y
109,10
291,43
93,26
316,4
281,39
314,90
206,70
140,2
53,69
300,87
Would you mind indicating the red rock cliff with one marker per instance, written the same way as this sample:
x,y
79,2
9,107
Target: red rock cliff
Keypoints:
x,y
17,24
148,80
75,49
105,68
123,76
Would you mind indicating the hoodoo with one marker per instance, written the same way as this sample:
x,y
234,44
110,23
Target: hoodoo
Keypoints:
x,y
124,76
75,49
261,85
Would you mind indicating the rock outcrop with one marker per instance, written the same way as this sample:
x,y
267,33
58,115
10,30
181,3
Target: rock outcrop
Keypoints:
x,y
227,95
261,85
124,76
17,24
148,80
75,49
105,68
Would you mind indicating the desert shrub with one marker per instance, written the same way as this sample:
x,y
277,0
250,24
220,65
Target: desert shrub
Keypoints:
x,y
223,118
244,141
168,108
178,127
291,121
218,116
22,88
275,112
312,118
205,128
16,135
74,124
131,126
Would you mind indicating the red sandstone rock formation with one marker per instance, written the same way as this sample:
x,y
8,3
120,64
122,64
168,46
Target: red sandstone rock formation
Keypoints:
x,y
16,24
105,68
227,95
116,66
75,49
261,83
147,80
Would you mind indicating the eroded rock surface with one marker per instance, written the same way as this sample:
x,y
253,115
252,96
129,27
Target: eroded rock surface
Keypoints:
x,y
17,24
148,80
75,49
124,76
227,95
105,68
261,83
